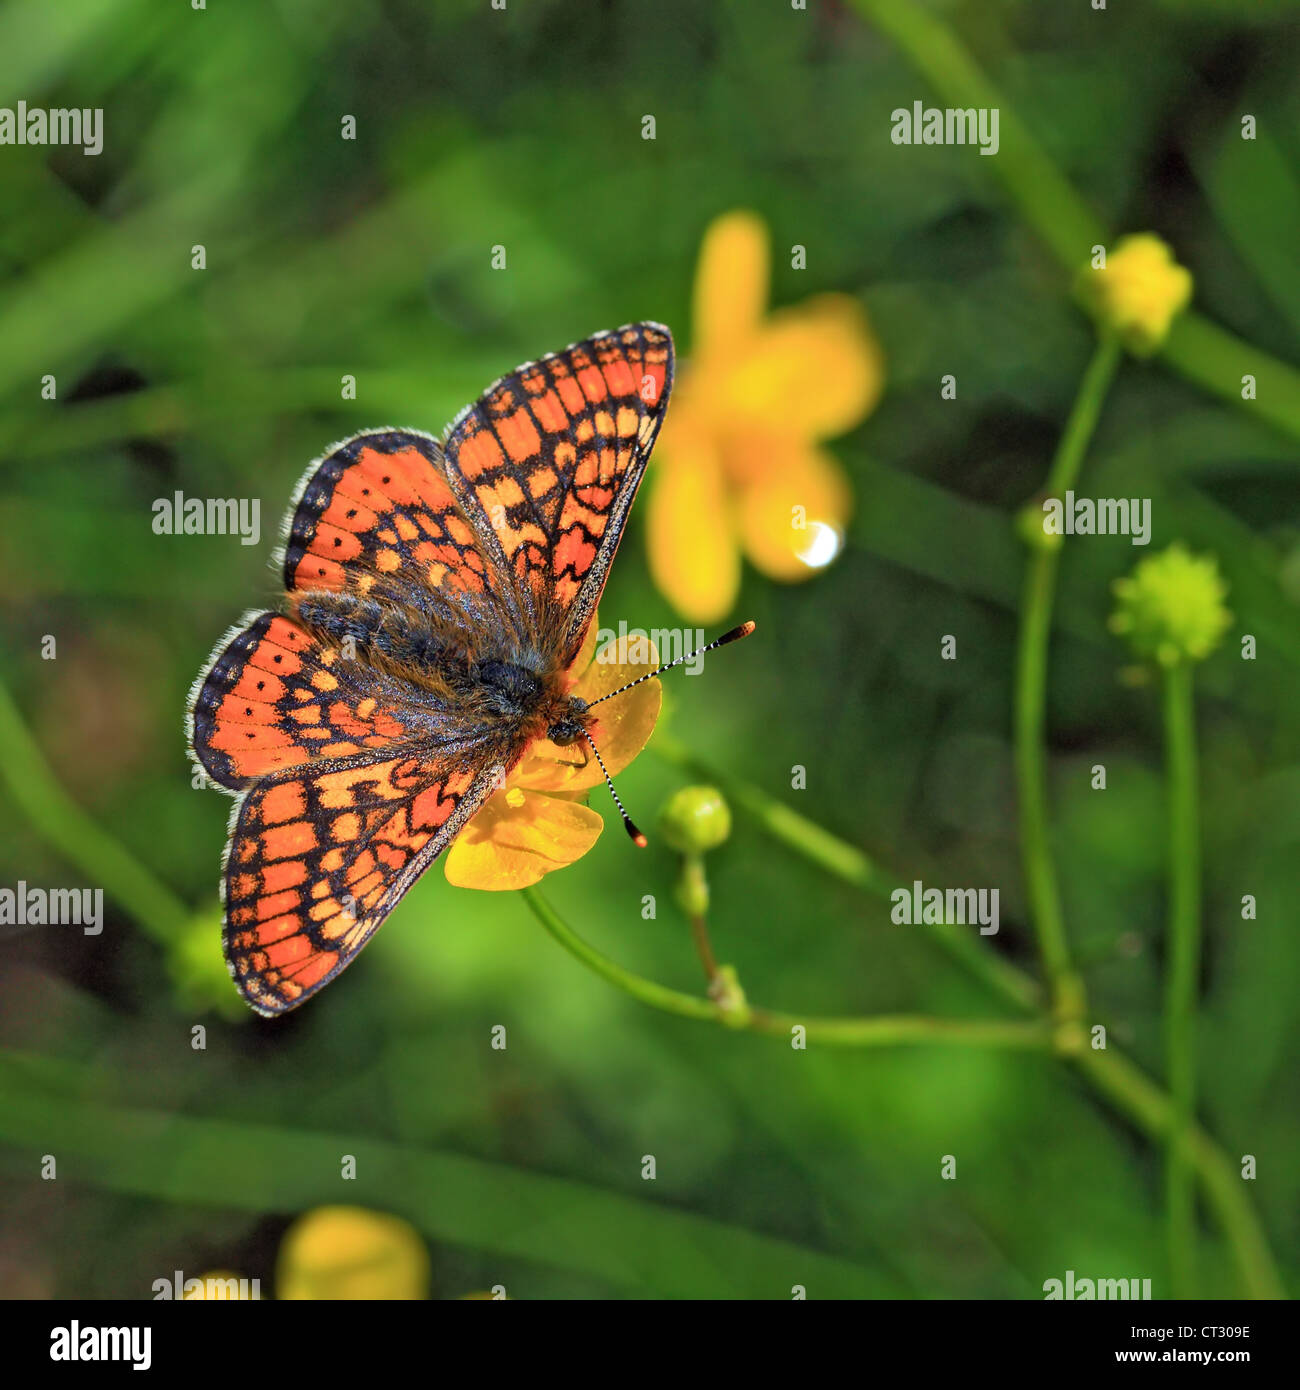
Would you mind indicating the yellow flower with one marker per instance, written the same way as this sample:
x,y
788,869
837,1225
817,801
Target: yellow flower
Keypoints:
x,y
351,1253
1138,292
739,464
537,823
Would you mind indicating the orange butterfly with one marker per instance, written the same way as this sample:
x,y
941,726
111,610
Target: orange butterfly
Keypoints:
x,y
436,594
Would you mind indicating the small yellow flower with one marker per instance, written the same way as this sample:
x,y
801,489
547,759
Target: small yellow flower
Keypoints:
x,y
1138,293
351,1253
739,465
537,823
1171,608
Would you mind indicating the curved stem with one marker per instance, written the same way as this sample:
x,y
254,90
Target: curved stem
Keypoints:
x,y
1030,716
1197,348
1111,1074
1134,1094
882,1031
850,865
77,836
1182,972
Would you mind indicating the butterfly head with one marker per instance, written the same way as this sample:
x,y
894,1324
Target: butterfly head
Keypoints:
x,y
569,723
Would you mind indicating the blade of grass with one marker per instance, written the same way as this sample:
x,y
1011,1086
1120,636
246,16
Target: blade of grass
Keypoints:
x,y
633,1244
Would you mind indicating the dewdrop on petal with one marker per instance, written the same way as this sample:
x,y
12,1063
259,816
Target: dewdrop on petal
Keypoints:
x,y
1170,609
1138,292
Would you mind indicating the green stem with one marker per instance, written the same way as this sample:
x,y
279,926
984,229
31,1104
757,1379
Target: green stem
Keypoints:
x,y
850,865
36,791
1198,348
880,1031
1030,715
704,947
1181,974
1111,1074
1134,1094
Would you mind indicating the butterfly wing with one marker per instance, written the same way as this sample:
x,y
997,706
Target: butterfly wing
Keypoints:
x,y
551,455
376,516
272,697
321,854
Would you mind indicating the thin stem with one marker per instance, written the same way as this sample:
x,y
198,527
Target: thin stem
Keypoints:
x,y
704,947
850,865
1112,1075
1030,714
1182,972
1198,348
881,1031
1133,1093
37,792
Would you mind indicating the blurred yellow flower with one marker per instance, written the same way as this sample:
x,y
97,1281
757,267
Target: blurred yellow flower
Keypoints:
x,y
739,463
537,823
351,1253
1138,291
220,1286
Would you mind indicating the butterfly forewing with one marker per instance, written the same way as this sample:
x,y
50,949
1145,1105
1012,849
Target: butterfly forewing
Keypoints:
x,y
553,454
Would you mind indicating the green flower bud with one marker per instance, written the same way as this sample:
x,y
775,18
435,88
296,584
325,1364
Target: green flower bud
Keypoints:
x,y
1171,608
1031,526
725,991
695,819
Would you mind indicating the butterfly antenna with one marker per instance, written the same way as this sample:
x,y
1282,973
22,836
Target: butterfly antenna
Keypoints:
x,y
734,635
638,838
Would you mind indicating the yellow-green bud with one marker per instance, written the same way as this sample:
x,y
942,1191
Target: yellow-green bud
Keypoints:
x,y
726,993
1171,609
695,819
1031,525
1138,292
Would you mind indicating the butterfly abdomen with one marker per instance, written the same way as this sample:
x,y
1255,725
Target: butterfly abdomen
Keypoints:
x,y
368,627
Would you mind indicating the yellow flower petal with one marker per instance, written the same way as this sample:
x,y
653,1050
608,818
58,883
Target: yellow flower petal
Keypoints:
x,y
730,282
793,519
351,1253
692,548
518,837
622,729
814,370
587,651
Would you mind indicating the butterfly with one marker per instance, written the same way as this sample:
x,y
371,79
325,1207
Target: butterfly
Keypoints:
x,y
436,591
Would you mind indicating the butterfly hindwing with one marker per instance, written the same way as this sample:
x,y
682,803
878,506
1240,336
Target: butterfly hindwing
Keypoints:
x,y
552,455
318,858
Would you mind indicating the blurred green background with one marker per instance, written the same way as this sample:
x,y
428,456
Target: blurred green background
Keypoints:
x,y
325,256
